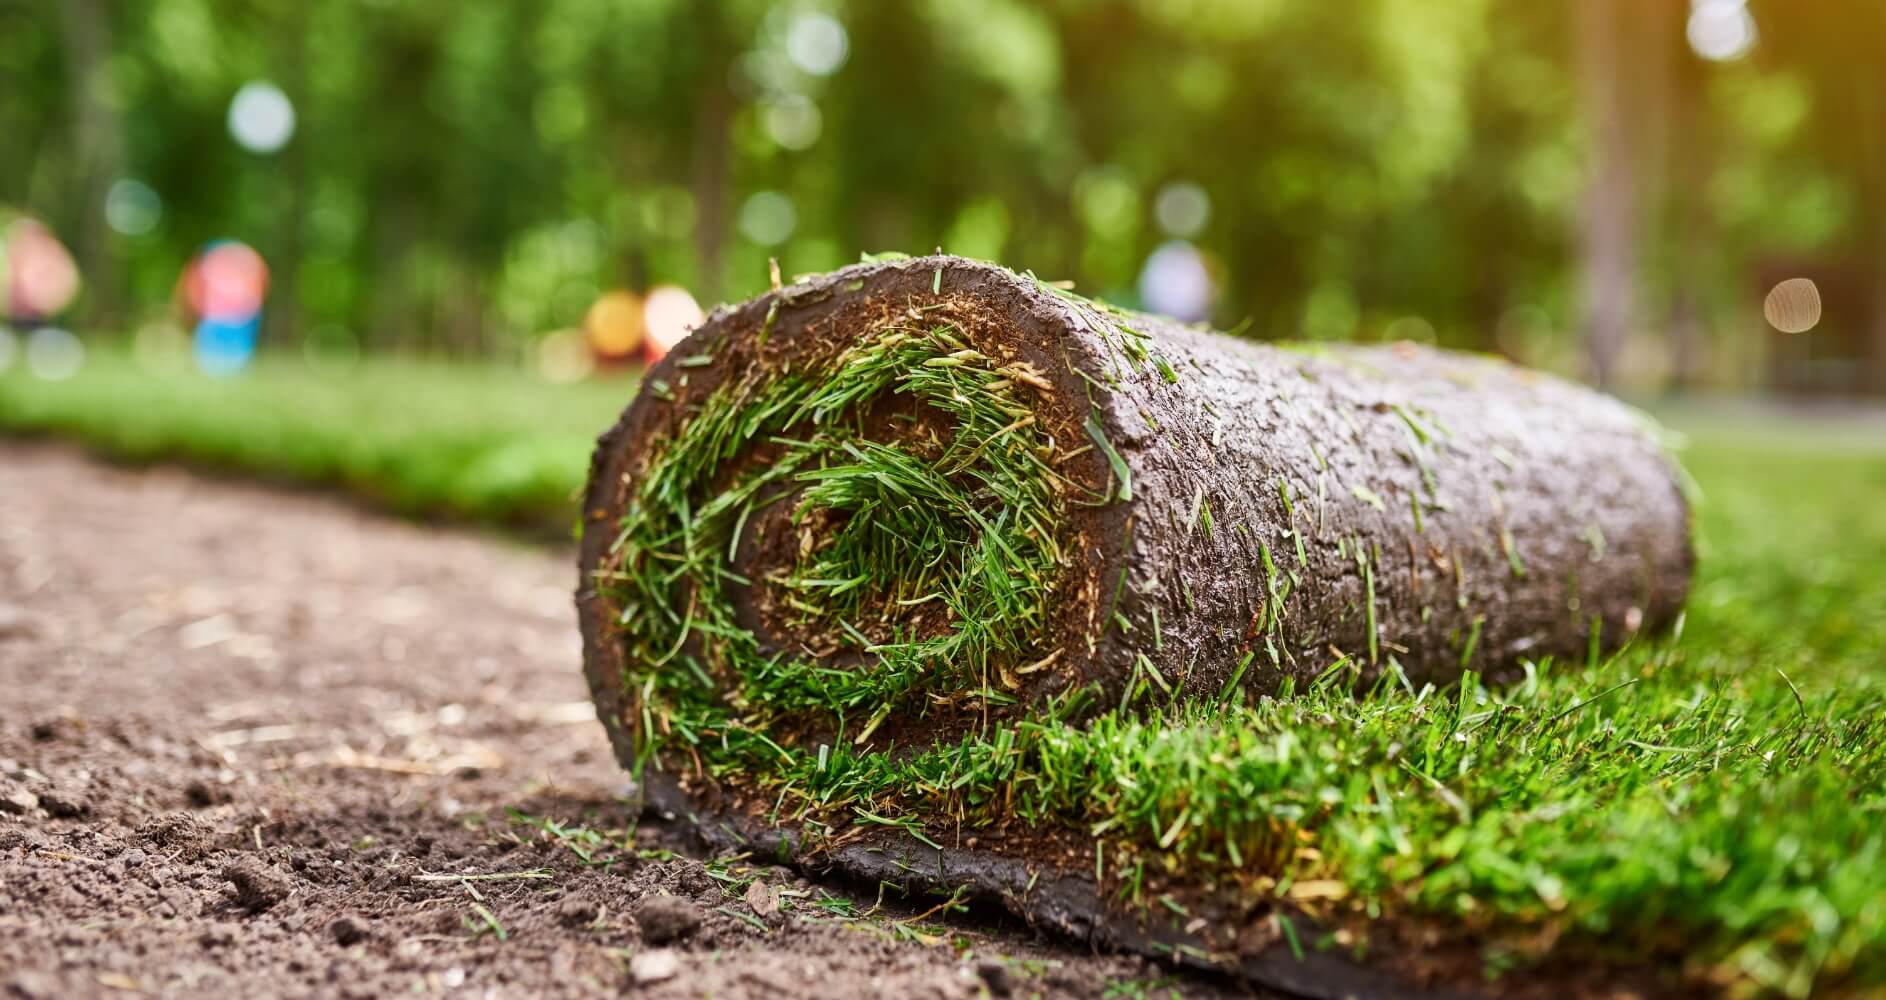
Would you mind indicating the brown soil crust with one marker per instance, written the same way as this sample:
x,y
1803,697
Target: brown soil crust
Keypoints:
x,y
242,729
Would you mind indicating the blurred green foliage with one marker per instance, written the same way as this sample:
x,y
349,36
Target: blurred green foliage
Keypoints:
x,y
466,174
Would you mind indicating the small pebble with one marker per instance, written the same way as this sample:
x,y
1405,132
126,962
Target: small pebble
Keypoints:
x,y
761,899
16,622
654,966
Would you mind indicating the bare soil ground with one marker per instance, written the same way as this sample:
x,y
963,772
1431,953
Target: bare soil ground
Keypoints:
x,y
248,739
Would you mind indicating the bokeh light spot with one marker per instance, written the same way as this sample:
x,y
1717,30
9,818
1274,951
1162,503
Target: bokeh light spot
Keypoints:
x,y
1106,200
563,356
54,354
614,324
1720,30
1177,282
1412,329
981,229
560,113
261,118
670,314
817,43
132,208
793,122
1794,306
1182,209
768,218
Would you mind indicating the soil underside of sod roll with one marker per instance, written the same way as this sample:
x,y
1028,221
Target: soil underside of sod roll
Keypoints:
x,y
890,570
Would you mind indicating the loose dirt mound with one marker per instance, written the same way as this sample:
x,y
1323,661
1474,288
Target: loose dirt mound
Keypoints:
x,y
251,739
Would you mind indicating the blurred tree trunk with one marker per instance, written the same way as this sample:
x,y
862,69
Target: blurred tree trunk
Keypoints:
x,y
1686,167
284,319
98,140
713,120
1873,159
462,311
396,320
1608,215
1689,334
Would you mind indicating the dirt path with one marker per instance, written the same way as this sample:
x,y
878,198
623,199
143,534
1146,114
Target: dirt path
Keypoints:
x,y
247,737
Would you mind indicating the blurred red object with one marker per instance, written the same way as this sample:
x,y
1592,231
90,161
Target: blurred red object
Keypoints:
x,y
41,277
227,281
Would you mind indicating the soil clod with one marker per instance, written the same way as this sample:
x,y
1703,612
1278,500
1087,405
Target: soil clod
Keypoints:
x,y
347,931
172,830
666,918
63,805
200,795
257,888
17,800
576,912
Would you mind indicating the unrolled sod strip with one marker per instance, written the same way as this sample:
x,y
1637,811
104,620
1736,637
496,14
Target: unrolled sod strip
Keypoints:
x,y
930,506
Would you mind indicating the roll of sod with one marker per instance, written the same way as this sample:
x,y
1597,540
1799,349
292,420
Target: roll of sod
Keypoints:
x,y
882,560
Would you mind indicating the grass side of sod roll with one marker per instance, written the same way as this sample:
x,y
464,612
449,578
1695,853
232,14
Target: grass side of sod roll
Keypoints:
x,y
1716,798
934,555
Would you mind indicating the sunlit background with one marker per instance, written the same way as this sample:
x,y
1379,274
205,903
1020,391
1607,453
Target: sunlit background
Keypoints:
x,y
1656,195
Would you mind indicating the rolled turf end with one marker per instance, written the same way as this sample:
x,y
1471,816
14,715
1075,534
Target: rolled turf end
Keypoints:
x,y
918,503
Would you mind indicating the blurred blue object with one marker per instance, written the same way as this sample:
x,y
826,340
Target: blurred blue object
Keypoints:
x,y
226,346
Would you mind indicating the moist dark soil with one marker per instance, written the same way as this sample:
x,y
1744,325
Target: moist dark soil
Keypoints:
x,y
250,739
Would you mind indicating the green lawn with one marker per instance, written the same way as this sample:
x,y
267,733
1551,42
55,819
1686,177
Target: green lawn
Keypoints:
x,y
1716,799
478,441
